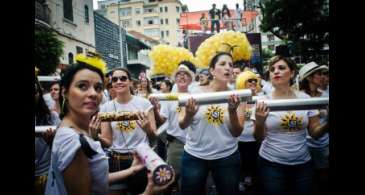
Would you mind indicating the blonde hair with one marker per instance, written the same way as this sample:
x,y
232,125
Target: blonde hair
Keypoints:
x,y
245,76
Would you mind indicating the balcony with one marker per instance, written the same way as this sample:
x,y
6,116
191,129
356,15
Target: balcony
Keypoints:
x,y
42,12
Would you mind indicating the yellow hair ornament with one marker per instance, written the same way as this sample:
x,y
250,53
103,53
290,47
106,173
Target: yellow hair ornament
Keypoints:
x,y
92,59
232,42
165,59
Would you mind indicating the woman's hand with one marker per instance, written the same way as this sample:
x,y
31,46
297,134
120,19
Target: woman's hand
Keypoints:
x,y
191,107
156,105
48,135
152,189
94,127
262,112
233,102
143,121
137,163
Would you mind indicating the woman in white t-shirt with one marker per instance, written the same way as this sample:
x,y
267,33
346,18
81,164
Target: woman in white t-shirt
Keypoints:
x,y
78,163
124,136
211,144
43,141
284,165
311,78
247,144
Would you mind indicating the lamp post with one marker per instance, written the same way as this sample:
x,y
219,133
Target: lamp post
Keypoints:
x,y
120,38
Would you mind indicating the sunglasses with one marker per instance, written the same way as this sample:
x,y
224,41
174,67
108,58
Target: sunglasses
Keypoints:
x,y
252,80
121,78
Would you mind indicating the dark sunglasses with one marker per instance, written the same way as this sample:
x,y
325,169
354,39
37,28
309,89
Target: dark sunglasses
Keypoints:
x,y
121,78
252,80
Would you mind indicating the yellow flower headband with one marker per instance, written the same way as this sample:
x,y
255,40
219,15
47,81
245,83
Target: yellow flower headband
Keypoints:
x,y
165,59
92,59
232,42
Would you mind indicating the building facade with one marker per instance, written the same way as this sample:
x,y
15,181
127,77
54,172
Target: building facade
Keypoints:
x,y
158,19
108,42
73,21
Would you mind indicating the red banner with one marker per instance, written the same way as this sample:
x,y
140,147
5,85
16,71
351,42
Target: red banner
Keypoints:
x,y
191,20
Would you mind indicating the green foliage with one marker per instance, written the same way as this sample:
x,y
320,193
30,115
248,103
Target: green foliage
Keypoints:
x,y
267,54
47,52
303,25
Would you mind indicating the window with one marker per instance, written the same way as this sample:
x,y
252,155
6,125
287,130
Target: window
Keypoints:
x,y
149,10
165,9
162,34
126,23
70,58
138,23
138,11
161,9
177,9
270,37
127,11
67,10
167,33
86,14
177,21
155,32
150,20
161,21
78,49
166,21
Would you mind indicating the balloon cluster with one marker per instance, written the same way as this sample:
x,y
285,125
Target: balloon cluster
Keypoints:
x,y
165,59
238,44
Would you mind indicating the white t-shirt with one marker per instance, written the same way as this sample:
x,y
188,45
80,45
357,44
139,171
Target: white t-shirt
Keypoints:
x,y
267,87
285,140
170,110
209,137
49,101
247,133
322,141
65,145
127,134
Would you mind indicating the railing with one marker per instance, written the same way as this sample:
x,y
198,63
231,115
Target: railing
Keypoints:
x,y
42,12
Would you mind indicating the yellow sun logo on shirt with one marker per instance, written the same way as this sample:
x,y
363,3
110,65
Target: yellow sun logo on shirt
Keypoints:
x,y
126,126
248,113
178,109
291,122
214,115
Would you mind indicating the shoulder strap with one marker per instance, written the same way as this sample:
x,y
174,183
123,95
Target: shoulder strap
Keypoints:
x,y
86,148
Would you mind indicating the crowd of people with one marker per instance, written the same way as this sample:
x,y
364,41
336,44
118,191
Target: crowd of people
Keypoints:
x,y
230,21
238,145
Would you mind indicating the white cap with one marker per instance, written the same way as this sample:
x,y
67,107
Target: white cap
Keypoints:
x,y
310,68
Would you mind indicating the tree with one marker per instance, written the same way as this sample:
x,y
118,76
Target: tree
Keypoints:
x,y
48,50
303,24
266,54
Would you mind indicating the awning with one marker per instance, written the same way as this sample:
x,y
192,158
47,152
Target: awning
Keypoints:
x,y
135,42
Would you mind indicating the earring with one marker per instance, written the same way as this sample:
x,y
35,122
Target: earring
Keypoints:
x,y
63,106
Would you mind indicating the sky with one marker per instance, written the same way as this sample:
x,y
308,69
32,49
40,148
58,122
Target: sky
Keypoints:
x,y
197,5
